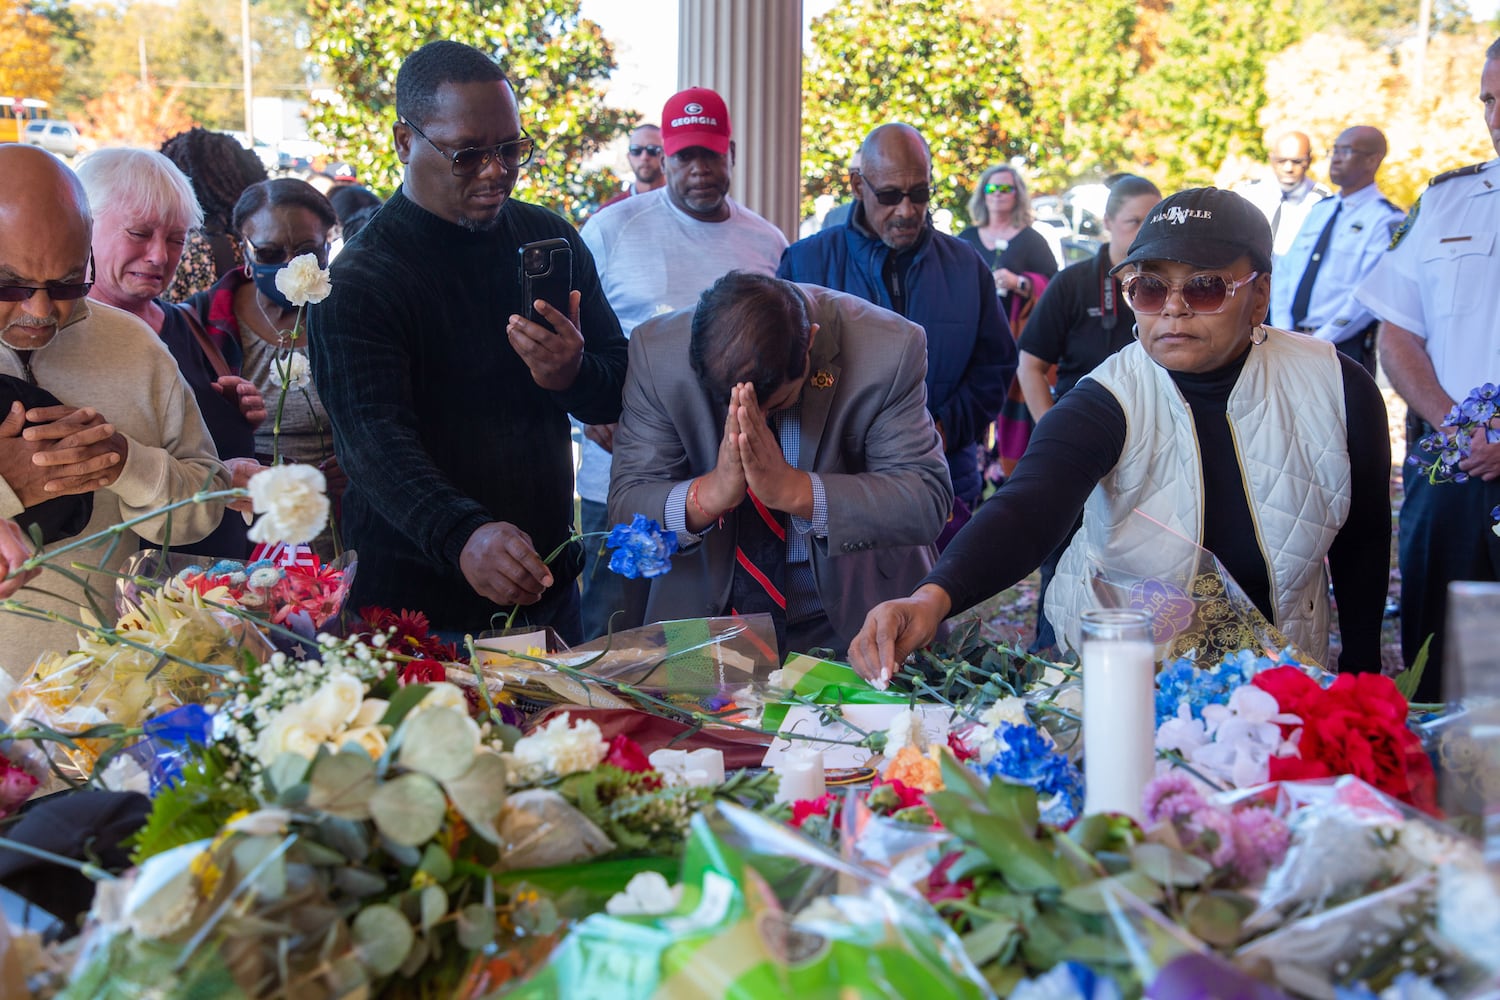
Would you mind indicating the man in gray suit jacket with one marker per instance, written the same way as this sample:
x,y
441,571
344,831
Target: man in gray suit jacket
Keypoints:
x,y
801,424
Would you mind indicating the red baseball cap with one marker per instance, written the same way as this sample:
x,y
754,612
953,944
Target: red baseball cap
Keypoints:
x,y
695,117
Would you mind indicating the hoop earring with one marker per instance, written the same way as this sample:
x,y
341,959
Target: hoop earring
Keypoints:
x,y
1135,330
1258,335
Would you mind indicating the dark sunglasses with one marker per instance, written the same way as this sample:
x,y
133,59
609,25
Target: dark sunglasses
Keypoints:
x,y
648,150
278,255
57,291
1204,293
919,195
993,188
470,160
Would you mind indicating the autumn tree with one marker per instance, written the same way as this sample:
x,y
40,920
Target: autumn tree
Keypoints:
x,y
943,68
28,64
557,61
134,112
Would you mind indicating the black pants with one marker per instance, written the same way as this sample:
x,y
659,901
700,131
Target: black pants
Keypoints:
x,y
1445,536
1361,347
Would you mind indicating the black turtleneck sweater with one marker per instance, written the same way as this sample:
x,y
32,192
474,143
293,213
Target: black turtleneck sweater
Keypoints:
x,y
436,420
1081,440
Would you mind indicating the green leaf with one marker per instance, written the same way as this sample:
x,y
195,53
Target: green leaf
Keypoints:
x,y
1217,917
359,883
286,771
409,809
434,906
987,942
1165,866
383,937
479,793
1408,679
437,863
438,741
476,926
1092,897
342,784
1015,802
403,701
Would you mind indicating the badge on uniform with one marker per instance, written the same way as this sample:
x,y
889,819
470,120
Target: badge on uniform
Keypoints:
x,y
1404,226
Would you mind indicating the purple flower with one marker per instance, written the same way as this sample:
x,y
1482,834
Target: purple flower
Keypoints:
x,y
642,549
1261,840
1169,795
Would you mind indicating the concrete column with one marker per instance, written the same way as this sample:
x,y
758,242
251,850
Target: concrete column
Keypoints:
x,y
750,51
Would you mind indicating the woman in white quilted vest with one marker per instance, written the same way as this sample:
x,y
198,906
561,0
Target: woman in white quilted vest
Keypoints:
x,y
1268,448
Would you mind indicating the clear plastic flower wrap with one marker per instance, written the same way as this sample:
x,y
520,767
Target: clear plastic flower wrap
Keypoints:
x,y
765,912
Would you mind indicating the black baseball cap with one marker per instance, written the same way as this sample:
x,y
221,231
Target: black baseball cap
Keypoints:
x,y
1204,227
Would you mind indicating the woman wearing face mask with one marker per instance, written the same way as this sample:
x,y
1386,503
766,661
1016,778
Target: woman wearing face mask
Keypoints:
x,y
144,209
277,221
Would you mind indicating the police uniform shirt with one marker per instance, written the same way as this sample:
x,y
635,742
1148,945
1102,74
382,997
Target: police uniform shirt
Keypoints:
x,y
1438,279
1266,195
1364,227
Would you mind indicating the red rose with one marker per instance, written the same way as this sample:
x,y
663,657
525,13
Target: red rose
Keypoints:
x,y
423,672
806,809
16,787
627,755
938,885
1357,726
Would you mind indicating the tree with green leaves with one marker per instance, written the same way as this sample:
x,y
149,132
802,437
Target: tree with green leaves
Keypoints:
x,y
557,61
942,68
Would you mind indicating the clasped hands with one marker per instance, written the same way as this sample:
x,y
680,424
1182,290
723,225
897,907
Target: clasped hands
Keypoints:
x,y
70,450
750,458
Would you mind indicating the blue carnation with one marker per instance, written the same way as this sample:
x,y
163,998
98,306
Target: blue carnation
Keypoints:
x,y
1027,758
642,549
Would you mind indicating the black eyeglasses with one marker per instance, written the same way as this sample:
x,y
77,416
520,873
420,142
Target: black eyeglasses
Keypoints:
x,y
919,195
993,188
648,150
279,255
57,291
1204,293
472,159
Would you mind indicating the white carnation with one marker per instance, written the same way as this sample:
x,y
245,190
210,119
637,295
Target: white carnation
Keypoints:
x,y
292,371
646,894
556,750
905,730
292,501
303,281
1012,710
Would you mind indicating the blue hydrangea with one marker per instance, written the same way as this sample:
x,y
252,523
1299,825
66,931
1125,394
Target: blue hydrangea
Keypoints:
x,y
1026,757
642,549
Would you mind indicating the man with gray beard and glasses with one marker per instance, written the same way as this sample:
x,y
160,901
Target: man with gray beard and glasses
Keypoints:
x,y
449,409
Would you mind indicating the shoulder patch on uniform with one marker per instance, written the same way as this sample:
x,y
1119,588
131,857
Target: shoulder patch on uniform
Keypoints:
x,y
1399,233
1471,169
1390,204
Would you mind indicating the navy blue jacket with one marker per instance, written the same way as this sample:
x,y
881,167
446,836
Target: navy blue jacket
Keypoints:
x,y
971,356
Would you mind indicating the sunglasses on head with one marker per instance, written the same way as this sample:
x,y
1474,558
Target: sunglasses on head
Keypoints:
x,y
1204,293
994,188
57,291
469,161
648,150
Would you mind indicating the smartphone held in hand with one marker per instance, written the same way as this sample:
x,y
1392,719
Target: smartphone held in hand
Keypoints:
x,y
546,274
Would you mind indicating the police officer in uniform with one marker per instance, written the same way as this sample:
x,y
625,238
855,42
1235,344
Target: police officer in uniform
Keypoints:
x,y
1289,194
1312,289
1440,338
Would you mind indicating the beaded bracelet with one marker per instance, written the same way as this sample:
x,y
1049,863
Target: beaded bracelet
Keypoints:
x,y
693,499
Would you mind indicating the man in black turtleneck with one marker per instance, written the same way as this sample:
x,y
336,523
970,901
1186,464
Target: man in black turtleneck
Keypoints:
x,y
450,411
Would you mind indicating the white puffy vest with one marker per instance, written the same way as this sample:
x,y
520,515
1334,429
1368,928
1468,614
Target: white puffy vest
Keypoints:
x,y
1286,413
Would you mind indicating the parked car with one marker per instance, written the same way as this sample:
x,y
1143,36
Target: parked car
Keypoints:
x,y
263,150
55,136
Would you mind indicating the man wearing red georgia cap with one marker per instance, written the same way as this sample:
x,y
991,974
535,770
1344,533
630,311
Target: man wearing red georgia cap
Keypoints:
x,y
656,252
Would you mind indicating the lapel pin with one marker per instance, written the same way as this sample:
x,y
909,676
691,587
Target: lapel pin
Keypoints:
x,y
822,379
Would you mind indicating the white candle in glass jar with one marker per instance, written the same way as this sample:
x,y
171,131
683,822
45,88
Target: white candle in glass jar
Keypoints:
x,y
1119,710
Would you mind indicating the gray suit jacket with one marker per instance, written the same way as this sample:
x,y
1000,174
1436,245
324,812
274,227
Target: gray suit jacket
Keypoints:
x,y
868,435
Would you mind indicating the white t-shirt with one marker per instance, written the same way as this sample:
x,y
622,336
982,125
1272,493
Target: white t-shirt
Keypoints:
x,y
654,258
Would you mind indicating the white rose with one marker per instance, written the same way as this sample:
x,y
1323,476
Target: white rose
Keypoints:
x,y
335,704
646,894
292,371
443,695
370,739
292,501
290,731
303,281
